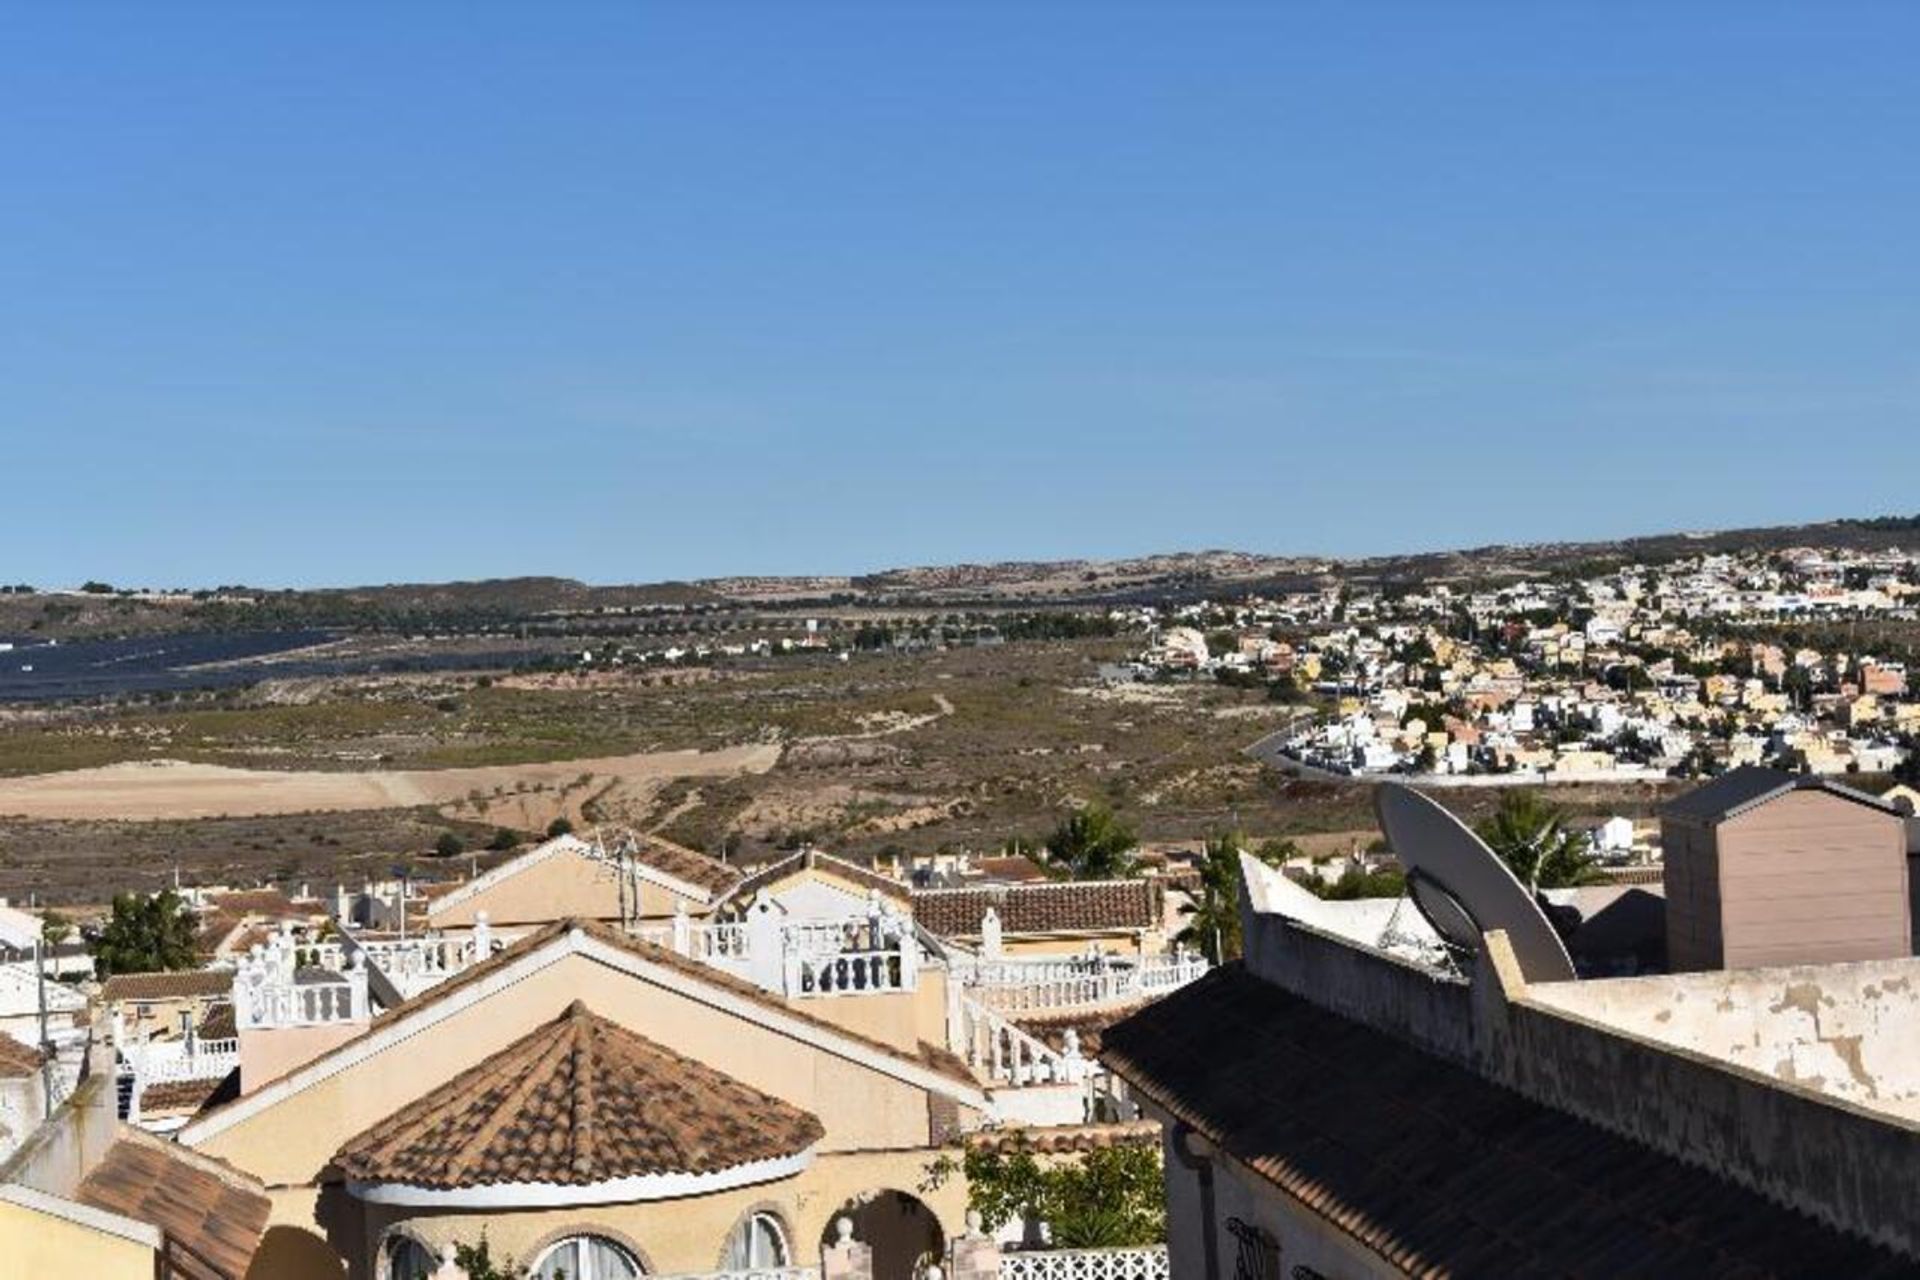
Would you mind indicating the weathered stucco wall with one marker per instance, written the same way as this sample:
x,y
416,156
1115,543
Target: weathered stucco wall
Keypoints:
x,y
1844,1029
1848,1166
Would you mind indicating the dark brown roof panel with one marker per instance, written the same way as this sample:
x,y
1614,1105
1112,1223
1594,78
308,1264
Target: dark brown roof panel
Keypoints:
x,y
1439,1170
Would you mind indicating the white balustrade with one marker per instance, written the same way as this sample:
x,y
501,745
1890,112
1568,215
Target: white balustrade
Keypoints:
x,y
1007,1054
1149,1263
272,989
164,1060
855,955
1013,986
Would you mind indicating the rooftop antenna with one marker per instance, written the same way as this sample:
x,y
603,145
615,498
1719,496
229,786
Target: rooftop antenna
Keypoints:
x,y
1463,888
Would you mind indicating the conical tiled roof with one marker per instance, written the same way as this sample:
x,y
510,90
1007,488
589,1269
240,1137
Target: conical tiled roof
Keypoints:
x,y
579,1101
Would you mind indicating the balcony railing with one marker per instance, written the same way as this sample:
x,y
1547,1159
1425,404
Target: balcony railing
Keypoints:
x,y
158,1061
1148,1263
749,1273
870,954
1008,1055
1032,986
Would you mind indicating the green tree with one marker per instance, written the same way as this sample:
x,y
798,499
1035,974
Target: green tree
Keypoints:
x,y
559,827
1108,1198
1531,837
477,1261
146,933
1092,844
503,840
449,845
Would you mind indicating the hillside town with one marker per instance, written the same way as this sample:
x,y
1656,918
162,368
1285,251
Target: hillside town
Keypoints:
x,y
1642,672
610,1056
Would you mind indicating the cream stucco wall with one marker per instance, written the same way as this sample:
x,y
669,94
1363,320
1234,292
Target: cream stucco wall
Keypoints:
x,y
35,1244
687,1235
562,885
291,1140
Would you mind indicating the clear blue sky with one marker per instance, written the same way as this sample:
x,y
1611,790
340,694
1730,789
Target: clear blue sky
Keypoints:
x,y
359,292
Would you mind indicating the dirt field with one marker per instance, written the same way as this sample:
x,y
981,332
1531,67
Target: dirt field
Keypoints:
x,y
512,795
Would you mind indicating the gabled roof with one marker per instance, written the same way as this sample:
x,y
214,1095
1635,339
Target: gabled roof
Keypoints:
x,y
808,860
1437,1169
933,1068
269,904
1739,790
181,984
578,1101
670,864
1058,906
212,1209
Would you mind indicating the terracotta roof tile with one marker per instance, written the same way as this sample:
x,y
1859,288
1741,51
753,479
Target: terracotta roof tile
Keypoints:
x,y
1067,1139
269,903
17,1059
182,984
1059,906
178,1095
1089,1025
579,1101
218,1024
696,868
1437,1169
216,1212
1010,869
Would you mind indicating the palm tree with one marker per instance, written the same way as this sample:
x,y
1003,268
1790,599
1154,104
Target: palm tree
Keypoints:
x,y
1531,837
1092,844
1213,914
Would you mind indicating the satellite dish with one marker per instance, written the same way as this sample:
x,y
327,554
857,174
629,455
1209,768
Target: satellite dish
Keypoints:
x,y
1462,887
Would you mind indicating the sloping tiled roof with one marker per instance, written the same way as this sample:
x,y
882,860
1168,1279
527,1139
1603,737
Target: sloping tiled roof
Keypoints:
x,y
17,1059
1738,790
1066,1139
218,1024
808,859
1438,1170
1090,1025
183,984
216,1212
270,903
179,1095
1061,906
690,865
579,1101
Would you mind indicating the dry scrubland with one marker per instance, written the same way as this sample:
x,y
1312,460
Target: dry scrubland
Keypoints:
x,y
964,748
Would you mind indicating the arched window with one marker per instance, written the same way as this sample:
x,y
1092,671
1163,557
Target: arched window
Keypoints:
x,y
586,1258
759,1241
404,1258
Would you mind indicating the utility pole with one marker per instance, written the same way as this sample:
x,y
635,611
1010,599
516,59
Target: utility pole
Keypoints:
x,y
46,1044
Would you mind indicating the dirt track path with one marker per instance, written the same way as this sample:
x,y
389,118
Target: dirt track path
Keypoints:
x,y
169,789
